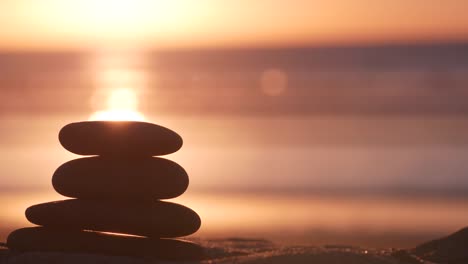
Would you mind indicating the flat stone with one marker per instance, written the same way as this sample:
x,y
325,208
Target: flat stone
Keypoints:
x,y
122,138
133,179
151,219
50,240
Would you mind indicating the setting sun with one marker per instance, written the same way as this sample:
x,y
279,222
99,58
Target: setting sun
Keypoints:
x,y
121,106
118,87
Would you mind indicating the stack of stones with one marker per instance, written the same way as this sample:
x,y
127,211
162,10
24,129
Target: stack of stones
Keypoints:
x,y
117,191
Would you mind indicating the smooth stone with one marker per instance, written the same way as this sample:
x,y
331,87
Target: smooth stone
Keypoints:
x,y
119,138
134,179
151,219
50,240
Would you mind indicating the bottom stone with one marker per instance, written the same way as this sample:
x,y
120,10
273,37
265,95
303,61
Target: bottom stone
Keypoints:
x,y
45,239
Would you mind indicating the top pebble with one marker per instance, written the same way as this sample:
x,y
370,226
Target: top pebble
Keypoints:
x,y
122,138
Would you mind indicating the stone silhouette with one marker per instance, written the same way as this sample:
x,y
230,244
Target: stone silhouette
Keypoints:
x,y
117,191
124,139
136,179
449,249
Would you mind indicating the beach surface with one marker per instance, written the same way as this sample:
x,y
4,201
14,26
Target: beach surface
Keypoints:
x,y
233,250
448,249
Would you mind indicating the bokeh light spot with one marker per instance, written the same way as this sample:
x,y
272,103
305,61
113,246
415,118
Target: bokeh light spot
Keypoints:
x,y
273,82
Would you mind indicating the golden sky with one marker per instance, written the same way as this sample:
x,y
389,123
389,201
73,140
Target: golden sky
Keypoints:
x,y
49,24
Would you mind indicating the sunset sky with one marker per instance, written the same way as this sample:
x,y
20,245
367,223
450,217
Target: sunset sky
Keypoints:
x,y
71,24
283,105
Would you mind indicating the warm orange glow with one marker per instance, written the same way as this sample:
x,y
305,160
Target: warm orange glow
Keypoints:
x,y
189,23
119,85
121,106
117,115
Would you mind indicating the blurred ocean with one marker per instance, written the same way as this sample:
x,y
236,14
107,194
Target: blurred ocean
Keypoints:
x,y
358,145
427,80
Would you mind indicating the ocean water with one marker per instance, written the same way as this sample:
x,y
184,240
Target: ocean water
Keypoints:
x,y
412,79
357,145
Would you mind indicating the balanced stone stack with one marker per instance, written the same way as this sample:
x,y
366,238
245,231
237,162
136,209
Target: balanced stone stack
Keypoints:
x,y
117,191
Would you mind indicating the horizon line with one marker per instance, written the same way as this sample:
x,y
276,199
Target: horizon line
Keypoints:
x,y
246,47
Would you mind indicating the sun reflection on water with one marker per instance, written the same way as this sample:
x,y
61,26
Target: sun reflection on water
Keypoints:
x,y
121,106
119,84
